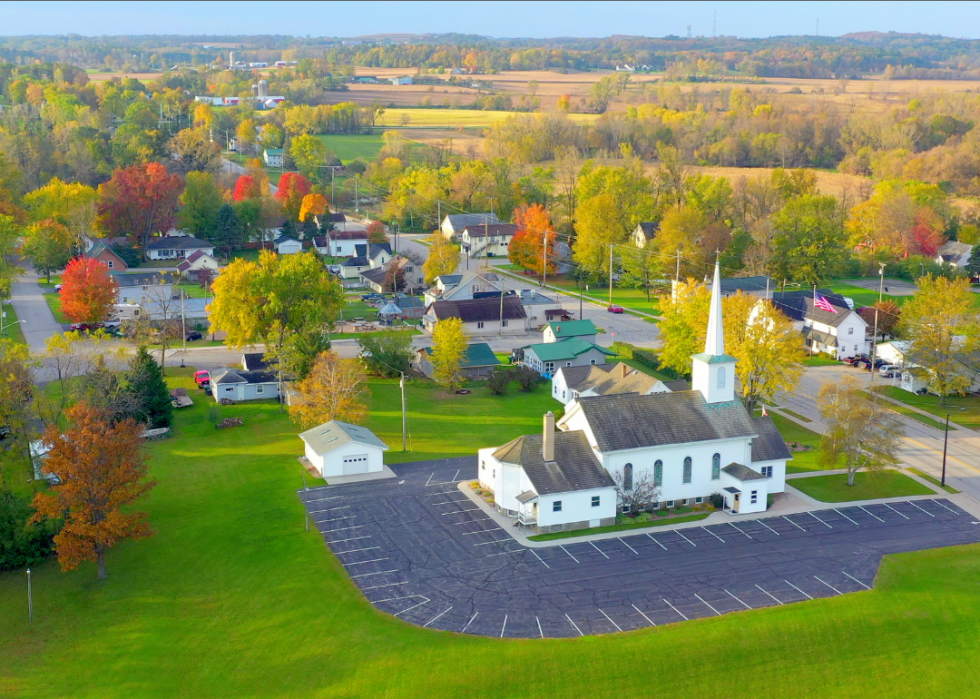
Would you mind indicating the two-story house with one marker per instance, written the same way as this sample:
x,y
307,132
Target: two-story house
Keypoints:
x,y
826,321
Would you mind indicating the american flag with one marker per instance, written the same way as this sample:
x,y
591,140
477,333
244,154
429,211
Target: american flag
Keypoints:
x,y
765,413
823,304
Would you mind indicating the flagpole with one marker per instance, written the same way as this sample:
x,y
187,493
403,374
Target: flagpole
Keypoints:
x,y
813,313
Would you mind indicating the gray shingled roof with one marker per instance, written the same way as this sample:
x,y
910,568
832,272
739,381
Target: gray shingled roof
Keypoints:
x,y
227,375
177,242
461,221
331,435
472,310
574,468
769,445
742,473
632,422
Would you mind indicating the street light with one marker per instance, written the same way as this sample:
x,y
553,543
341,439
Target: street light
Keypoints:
x,y
30,599
874,340
11,324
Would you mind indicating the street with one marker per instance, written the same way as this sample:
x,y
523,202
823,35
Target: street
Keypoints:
x,y
28,301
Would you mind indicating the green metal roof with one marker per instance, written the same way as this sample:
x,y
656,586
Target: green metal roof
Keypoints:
x,y
572,328
477,354
714,358
566,349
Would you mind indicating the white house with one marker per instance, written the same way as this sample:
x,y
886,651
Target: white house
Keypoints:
x,y
547,357
486,316
239,385
287,245
453,225
916,378
644,232
954,253
339,448
840,332
480,240
197,261
340,243
574,382
177,247
558,331
272,157
466,285
141,287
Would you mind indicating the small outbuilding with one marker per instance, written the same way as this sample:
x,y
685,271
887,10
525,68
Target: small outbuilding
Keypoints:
x,y
338,448
237,385
479,362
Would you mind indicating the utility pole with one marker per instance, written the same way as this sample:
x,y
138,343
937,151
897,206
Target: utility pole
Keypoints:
x,y
677,272
183,323
503,285
30,599
945,443
874,340
401,383
610,272
357,196
544,261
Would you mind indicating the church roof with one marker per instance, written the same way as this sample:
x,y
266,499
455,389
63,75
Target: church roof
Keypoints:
x,y
714,342
742,473
769,445
574,468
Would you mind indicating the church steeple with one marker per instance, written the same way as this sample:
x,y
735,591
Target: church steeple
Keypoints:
x,y
714,371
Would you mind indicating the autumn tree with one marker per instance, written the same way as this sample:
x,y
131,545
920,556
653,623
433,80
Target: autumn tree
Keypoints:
x,y
67,359
594,235
16,393
684,325
199,205
160,323
309,153
246,187
641,269
72,204
888,315
331,391
10,233
538,240
449,344
387,353
292,188
443,258
88,291
860,431
191,150
314,204
140,201
377,233
809,240
102,469
48,246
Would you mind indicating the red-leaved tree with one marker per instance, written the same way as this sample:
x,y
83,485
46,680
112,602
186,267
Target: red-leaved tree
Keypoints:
x,y
87,291
292,188
247,188
140,200
535,224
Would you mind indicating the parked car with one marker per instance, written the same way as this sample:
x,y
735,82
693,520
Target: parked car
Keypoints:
x,y
372,297
889,369
86,327
194,335
57,288
888,374
615,309
202,379
334,269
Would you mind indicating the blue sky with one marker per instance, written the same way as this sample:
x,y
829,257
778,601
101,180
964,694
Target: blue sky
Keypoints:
x,y
500,19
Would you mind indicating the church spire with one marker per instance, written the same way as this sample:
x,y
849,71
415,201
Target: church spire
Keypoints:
x,y
714,342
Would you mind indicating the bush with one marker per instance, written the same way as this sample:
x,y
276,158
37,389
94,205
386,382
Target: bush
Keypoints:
x,y
214,414
499,381
527,378
717,501
22,544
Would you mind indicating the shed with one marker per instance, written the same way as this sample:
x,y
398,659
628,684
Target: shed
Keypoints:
x,y
338,448
479,362
286,245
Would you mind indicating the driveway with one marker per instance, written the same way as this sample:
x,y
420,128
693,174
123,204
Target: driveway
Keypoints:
x,y
28,301
419,549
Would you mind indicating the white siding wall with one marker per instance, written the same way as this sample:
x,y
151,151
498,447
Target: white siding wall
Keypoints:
x,y
333,461
343,248
313,457
584,359
577,507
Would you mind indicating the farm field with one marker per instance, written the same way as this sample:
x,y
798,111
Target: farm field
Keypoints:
x,y
454,118
353,146
232,598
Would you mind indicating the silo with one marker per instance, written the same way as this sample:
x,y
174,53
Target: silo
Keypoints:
x,y
231,60
263,88
255,90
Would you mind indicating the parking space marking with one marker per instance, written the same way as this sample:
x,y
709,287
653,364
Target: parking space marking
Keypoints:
x,y
443,492
495,541
855,580
332,497
456,474
717,613
738,600
827,584
574,625
894,510
353,538
771,595
360,563
482,531
797,589
504,627
649,620
430,478
759,521
328,509
434,618
333,519
944,507
450,502
819,520
378,587
786,517
503,553
566,551
393,599
420,604
919,508
540,559
678,532
657,542
540,632
713,534
610,619
677,610
469,622
732,524
368,575
599,550
472,509
860,507
340,529
627,545
369,548
477,519
846,517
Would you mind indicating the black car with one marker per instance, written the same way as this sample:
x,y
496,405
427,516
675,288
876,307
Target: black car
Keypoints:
x,y
194,335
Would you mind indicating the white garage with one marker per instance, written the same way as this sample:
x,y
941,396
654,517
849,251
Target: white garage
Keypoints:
x,y
341,449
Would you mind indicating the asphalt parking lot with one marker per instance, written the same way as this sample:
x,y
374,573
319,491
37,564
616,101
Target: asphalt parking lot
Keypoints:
x,y
422,551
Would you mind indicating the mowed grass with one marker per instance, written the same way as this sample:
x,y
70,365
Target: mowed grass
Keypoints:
x,y
53,299
630,299
349,147
11,328
962,410
867,486
232,598
802,461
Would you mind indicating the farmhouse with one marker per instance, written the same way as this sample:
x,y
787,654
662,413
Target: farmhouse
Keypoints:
x,y
688,445
340,243
240,385
479,362
177,247
272,157
826,320
453,225
481,240
547,357
107,256
197,261
480,316
644,232
339,448
468,285
954,253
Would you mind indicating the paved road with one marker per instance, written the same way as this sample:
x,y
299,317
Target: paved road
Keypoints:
x,y
28,300
421,550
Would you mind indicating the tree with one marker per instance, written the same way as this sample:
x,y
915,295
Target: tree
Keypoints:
x,y
377,233
538,241
88,291
449,343
388,353
940,324
309,153
161,322
635,491
684,325
16,393
332,391
443,258
10,233
809,240
595,235
47,246
641,269
314,204
973,265
394,280
66,360
227,229
200,202
292,188
144,380
191,150
861,431
22,543
102,469
888,315
72,204
140,200
246,187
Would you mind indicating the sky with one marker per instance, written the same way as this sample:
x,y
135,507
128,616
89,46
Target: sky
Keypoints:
x,y
497,19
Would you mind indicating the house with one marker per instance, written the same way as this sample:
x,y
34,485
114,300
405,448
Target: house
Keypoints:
x,y
644,232
761,286
106,255
534,303
481,240
480,316
453,225
239,385
197,261
689,444
287,245
340,243
479,362
338,448
366,256
954,253
254,361
401,80
546,357
574,382
141,287
557,314
176,247
839,332
467,285
581,329
916,378
272,157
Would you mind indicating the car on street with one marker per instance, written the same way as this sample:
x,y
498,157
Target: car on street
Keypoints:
x,y
615,309
194,335
889,369
202,379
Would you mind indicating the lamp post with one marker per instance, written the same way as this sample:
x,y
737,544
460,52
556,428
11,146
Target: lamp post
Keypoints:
x,y
30,599
945,443
874,340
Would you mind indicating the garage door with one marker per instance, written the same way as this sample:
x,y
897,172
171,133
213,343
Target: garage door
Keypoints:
x,y
355,464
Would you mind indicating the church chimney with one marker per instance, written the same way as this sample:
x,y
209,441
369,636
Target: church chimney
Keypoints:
x,y
548,443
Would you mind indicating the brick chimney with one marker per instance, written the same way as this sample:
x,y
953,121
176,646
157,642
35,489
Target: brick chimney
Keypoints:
x,y
624,369
548,443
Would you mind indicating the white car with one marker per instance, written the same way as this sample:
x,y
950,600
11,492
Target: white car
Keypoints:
x,y
887,369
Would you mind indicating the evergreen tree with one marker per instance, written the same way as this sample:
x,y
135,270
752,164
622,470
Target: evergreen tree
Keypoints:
x,y
310,228
145,380
228,228
973,265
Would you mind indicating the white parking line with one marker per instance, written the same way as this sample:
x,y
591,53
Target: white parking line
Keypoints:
x,y
472,509
368,575
369,548
894,510
773,596
353,538
482,531
610,620
333,519
434,618
360,563
713,534
797,589
392,599
430,478
707,605
456,474
504,627
378,587
819,520
469,622
739,530
827,584
759,521
677,531
677,610
328,509
450,502
540,559
539,627
643,615
794,524
477,519
443,492
856,580
566,551
599,549
340,529
420,604
919,508
871,513
738,600
574,625
627,545
944,507
846,517
504,553
495,541
657,542
332,497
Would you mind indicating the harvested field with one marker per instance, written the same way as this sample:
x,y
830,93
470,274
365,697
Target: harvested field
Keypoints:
x,y
103,76
827,182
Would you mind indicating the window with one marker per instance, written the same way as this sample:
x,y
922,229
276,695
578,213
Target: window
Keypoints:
x,y
628,477
655,505
592,362
483,465
495,474
595,501
109,264
767,471
568,363
503,323
687,469
755,496
563,395
850,331
479,324
556,506
670,503
658,473
721,377
716,467
260,389
549,366
625,509
698,501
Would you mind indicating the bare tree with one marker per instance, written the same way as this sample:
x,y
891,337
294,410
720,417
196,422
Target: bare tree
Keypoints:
x,y
162,320
635,491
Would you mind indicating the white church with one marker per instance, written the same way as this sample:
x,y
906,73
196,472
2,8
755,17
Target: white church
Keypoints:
x,y
693,444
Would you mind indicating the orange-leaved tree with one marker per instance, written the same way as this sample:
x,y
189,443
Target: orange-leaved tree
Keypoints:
x,y
87,291
535,221
292,188
313,203
102,468
246,187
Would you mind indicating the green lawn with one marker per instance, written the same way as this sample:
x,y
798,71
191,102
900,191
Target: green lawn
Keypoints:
x,y
53,300
632,299
821,360
862,296
802,461
11,328
867,486
908,412
619,527
349,147
193,291
935,481
962,410
232,598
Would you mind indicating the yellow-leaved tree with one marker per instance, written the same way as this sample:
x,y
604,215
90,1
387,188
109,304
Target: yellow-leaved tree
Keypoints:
x,y
684,325
443,258
449,341
331,391
313,203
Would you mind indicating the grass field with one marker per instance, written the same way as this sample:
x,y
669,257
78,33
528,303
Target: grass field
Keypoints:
x,y
232,598
631,299
11,328
935,481
53,300
803,461
619,527
908,412
454,118
864,297
867,486
962,410
353,146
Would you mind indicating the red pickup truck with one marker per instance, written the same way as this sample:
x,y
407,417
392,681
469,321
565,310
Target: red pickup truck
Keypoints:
x,y
202,378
